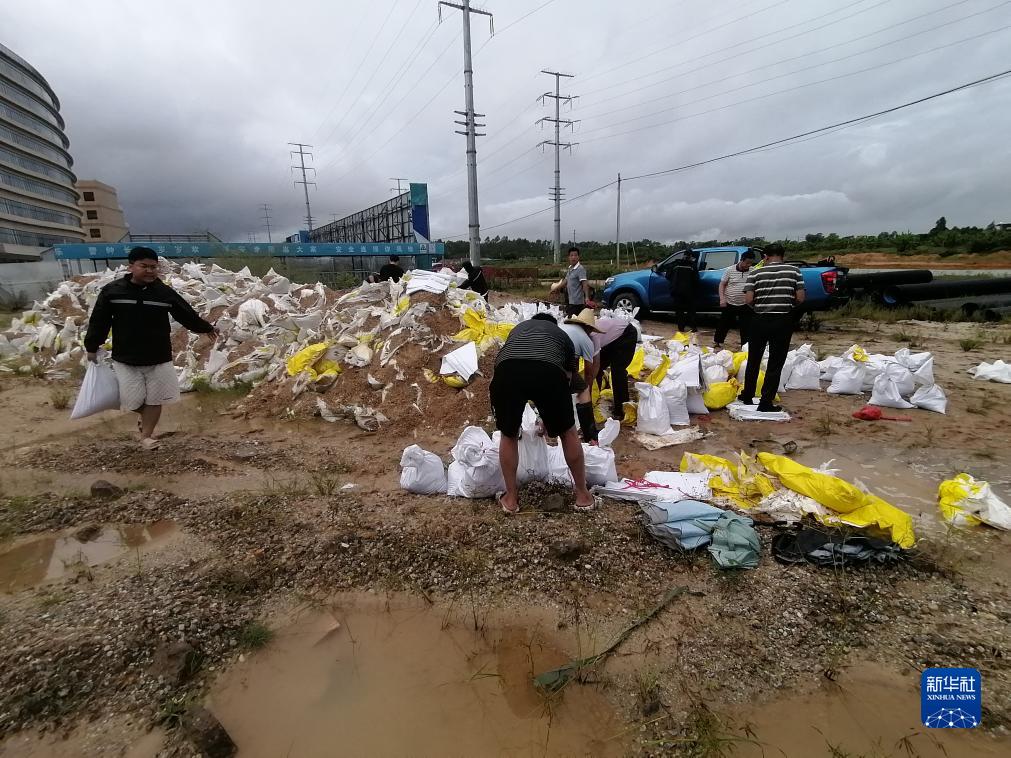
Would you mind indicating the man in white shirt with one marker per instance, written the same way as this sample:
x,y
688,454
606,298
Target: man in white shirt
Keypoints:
x,y
732,302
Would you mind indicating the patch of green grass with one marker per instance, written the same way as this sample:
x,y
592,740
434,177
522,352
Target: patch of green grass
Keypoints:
x,y
255,635
825,425
324,483
202,386
969,344
862,309
902,336
59,398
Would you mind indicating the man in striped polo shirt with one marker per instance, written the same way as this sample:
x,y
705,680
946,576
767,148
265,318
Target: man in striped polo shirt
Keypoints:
x,y
732,306
772,291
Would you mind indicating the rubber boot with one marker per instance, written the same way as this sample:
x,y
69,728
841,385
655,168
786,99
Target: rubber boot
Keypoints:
x,y
588,425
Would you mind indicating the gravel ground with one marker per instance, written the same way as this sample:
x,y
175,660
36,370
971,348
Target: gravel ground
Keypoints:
x,y
85,648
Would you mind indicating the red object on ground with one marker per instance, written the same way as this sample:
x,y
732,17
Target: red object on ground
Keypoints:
x,y
870,413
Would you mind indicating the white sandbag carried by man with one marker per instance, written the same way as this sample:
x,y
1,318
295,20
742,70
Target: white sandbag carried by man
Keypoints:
x,y
99,391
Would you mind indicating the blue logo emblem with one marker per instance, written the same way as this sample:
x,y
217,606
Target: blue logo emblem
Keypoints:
x,y
951,698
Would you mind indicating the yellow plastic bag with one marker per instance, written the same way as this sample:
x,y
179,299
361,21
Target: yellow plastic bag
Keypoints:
x,y
658,374
681,337
402,305
859,508
477,329
739,358
741,483
305,359
721,394
951,497
636,366
631,413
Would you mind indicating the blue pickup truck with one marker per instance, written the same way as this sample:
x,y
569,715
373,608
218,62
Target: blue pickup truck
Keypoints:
x,y
649,289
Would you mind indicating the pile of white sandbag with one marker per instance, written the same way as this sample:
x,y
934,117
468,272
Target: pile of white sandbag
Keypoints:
x,y
475,471
903,380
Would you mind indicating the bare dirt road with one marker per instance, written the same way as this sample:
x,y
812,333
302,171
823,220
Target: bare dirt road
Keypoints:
x,y
270,568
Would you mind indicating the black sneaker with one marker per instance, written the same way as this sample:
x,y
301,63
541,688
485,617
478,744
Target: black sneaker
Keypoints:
x,y
762,408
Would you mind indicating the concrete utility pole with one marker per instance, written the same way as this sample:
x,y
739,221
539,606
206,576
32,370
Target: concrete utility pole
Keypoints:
x,y
301,153
266,220
398,180
471,125
556,192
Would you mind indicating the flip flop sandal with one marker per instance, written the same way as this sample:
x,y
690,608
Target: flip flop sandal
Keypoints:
x,y
505,510
583,508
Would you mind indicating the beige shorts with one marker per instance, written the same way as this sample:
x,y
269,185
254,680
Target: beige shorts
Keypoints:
x,y
146,385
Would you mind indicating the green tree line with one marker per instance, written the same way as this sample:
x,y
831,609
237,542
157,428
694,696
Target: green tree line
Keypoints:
x,y
941,239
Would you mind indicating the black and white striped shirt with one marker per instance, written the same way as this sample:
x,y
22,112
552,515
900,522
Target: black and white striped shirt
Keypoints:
x,y
775,286
537,340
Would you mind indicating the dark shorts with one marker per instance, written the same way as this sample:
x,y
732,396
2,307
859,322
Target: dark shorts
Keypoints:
x,y
574,309
517,381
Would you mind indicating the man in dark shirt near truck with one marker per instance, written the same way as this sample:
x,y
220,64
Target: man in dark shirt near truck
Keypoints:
x,y
137,307
772,291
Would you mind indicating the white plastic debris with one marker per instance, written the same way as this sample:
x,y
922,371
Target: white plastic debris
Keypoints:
x,y
998,371
462,361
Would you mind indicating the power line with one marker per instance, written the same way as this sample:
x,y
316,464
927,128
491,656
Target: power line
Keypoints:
x,y
725,48
681,41
375,70
358,68
837,126
398,180
776,92
819,51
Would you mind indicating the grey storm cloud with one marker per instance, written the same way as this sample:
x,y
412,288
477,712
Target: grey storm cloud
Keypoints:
x,y
187,108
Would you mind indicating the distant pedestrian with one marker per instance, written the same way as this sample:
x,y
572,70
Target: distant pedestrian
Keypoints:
x,y
536,364
475,279
684,285
732,306
136,308
773,291
575,284
391,270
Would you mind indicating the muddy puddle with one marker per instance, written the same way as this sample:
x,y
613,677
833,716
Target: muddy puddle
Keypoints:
x,y
361,679
869,711
30,561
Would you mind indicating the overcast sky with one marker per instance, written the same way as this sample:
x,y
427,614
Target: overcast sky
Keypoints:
x,y
186,107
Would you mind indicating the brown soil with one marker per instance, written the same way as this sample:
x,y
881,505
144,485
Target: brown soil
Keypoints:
x,y
997,260
264,524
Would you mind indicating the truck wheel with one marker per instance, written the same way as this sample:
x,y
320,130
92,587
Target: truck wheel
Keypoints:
x,y
626,300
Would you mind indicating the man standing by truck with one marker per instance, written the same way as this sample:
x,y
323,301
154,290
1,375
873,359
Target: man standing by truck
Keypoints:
x,y
684,285
772,291
732,306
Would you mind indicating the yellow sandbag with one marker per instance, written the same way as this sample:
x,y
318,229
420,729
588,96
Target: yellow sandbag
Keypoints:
x,y
860,508
951,497
658,374
631,413
636,366
304,359
721,394
477,329
742,483
739,358
455,381
681,337
402,305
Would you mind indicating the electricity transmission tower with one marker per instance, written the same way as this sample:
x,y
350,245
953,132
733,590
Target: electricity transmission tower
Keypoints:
x,y
301,153
398,180
266,220
556,192
470,124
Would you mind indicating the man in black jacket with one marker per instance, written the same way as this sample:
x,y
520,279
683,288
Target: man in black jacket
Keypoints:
x,y
137,308
684,285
